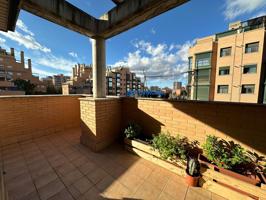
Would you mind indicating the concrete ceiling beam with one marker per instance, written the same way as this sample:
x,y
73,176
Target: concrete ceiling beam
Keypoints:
x,y
131,13
63,13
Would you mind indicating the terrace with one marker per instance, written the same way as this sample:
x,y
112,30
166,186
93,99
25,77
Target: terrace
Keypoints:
x,y
49,143
57,166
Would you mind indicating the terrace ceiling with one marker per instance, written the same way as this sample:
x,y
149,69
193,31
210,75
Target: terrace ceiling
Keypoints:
x,y
125,15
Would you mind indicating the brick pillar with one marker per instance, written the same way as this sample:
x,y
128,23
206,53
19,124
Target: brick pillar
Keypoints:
x,y
100,122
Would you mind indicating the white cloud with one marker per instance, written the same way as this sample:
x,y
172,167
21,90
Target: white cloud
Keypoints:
x,y
27,41
41,73
2,40
153,31
55,62
160,62
73,54
262,13
235,8
23,27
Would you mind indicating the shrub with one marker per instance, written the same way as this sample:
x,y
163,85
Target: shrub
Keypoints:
x,y
132,131
224,154
169,147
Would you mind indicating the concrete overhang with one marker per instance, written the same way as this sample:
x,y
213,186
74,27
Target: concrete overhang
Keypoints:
x,y
64,14
130,13
125,15
9,11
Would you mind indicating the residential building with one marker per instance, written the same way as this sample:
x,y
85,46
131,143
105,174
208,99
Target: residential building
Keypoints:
x,y
59,79
230,66
177,88
12,69
120,80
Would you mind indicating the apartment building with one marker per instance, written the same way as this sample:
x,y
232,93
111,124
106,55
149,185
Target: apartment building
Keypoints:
x,y
59,79
12,69
230,66
177,88
120,80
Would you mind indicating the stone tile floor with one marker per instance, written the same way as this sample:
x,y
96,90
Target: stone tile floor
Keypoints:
x,y
58,167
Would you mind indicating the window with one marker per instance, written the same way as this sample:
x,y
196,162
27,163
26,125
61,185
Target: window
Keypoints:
x,y
18,74
9,67
189,77
1,67
203,76
202,92
248,89
222,89
190,63
250,69
225,52
224,71
252,47
9,76
203,60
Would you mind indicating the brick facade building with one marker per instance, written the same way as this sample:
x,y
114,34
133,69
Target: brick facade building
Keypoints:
x,y
11,69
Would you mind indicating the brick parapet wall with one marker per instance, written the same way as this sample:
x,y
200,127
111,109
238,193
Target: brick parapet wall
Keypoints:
x,y
27,117
100,122
244,123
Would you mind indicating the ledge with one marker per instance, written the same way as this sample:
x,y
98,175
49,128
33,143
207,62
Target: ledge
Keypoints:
x,y
40,96
108,98
196,102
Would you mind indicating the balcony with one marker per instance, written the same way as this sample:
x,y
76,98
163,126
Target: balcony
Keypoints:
x,y
49,145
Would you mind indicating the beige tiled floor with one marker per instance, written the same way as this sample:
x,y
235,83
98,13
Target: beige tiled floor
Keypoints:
x,y
58,167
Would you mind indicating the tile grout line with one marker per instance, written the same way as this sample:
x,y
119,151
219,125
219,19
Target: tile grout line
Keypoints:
x,y
33,182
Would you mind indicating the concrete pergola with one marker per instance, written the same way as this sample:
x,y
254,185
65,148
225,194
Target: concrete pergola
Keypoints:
x,y
125,15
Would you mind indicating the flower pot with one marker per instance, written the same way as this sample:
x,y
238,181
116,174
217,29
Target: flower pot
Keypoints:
x,y
192,181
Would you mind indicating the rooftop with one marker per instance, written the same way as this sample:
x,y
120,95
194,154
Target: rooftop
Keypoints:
x,y
59,167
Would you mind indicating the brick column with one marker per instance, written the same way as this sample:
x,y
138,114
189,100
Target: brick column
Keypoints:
x,y
100,122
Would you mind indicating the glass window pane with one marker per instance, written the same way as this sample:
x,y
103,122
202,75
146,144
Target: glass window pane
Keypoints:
x,y
224,71
203,60
252,47
203,76
225,52
202,92
250,69
248,89
222,89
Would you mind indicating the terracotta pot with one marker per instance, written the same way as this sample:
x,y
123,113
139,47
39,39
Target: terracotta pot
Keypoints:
x,y
192,181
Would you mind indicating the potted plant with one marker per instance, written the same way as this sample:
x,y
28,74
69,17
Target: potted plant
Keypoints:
x,y
132,131
170,147
228,158
193,172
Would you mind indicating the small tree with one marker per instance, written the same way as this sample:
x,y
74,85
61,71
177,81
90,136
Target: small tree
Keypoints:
x,y
25,85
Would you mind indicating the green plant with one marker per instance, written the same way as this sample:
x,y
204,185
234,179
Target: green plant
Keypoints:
x,y
132,131
224,154
193,167
25,85
169,147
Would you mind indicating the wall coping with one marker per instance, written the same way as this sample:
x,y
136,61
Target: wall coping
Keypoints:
x,y
196,102
40,96
108,98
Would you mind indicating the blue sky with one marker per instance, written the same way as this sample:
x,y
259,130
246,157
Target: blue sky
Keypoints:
x,y
158,46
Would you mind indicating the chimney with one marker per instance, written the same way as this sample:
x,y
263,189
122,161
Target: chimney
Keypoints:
x,y
22,57
12,52
79,70
73,71
29,64
76,70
